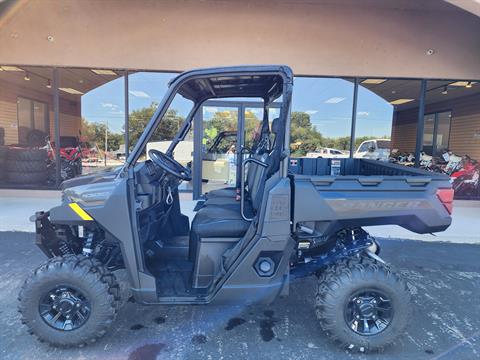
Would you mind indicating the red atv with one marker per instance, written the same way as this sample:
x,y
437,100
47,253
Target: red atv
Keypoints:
x,y
70,158
466,181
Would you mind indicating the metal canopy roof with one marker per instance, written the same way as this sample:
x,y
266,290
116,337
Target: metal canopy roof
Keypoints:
x,y
238,81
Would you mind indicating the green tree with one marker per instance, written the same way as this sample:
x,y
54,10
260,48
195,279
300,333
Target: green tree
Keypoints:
x,y
304,137
221,121
138,120
94,134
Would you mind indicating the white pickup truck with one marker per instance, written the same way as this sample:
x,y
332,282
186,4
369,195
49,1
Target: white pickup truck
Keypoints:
x,y
375,149
327,153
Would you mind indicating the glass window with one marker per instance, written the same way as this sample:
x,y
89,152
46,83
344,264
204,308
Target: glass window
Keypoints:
x,y
40,116
219,142
253,124
26,110
92,118
31,115
450,105
169,126
437,133
442,135
321,114
364,147
428,134
145,92
387,113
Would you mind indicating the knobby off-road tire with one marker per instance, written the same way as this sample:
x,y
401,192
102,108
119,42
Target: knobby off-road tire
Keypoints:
x,y
90,281
354,280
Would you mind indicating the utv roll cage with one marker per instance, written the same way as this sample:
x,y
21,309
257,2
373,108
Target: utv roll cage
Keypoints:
x,y
267,82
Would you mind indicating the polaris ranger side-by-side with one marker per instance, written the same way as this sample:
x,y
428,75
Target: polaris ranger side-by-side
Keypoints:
x,y
289,218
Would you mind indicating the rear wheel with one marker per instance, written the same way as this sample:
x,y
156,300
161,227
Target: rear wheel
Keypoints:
x,y
70,300
362,304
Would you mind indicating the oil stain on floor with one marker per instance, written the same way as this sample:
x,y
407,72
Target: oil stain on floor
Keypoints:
x,y
234,322
266,326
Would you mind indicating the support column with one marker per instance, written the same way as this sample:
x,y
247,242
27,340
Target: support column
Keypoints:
x,y
354,118
197,153
56,124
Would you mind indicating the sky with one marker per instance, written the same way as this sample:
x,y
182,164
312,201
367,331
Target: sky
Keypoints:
x,y
328,101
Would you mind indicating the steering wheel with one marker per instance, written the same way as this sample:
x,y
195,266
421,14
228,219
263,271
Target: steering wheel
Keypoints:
x,y
170,165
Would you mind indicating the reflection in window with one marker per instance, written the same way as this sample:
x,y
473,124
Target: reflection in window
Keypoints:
x,y
168,127
321,114
374,119
387,115
92,116
437,133
146,91
453,107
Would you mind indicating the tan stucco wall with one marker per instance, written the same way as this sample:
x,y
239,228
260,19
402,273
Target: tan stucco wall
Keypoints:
x,y
343,37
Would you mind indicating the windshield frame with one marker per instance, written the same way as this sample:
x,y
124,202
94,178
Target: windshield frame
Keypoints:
x,y
176,83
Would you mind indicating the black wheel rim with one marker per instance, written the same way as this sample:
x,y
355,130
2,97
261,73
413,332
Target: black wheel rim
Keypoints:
x,y
369,312
65,308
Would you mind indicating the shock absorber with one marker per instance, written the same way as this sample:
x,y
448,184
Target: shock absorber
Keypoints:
x,y
88,246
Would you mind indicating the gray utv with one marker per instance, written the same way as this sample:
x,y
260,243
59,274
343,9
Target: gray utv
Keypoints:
x,y
287,218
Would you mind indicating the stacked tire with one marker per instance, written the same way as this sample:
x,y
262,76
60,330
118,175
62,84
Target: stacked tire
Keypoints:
x,y
26,165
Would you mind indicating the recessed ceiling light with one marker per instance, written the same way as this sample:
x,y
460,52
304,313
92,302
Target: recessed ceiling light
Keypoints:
x,y
334,100
104,72
71,91
373,81
10,68
461,83
400,101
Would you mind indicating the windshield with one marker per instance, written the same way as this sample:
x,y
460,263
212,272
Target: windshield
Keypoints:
x,y
168,127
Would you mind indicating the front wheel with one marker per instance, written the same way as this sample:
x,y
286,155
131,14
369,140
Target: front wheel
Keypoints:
x,y
70,300
362,304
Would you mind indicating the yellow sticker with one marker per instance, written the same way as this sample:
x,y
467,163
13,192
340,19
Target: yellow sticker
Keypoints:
x,y
80,212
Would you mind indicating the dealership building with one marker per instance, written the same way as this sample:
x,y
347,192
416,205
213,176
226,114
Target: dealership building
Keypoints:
x,y
87,73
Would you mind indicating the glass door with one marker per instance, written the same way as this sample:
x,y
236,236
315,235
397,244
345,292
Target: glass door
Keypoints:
x,y
219,145
227,129
436,135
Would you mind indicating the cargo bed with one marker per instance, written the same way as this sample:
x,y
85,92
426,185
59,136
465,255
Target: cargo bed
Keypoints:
x,y
333,194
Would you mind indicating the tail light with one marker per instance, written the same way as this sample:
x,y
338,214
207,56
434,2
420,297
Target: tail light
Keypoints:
x,y
446,198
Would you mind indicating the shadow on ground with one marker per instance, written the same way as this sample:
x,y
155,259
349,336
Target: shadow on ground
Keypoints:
x,y
444,278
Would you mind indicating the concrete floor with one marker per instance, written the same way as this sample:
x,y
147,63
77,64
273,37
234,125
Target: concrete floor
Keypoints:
x,y
444,280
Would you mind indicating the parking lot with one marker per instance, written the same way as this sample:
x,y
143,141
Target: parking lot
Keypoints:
x,y
444,279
